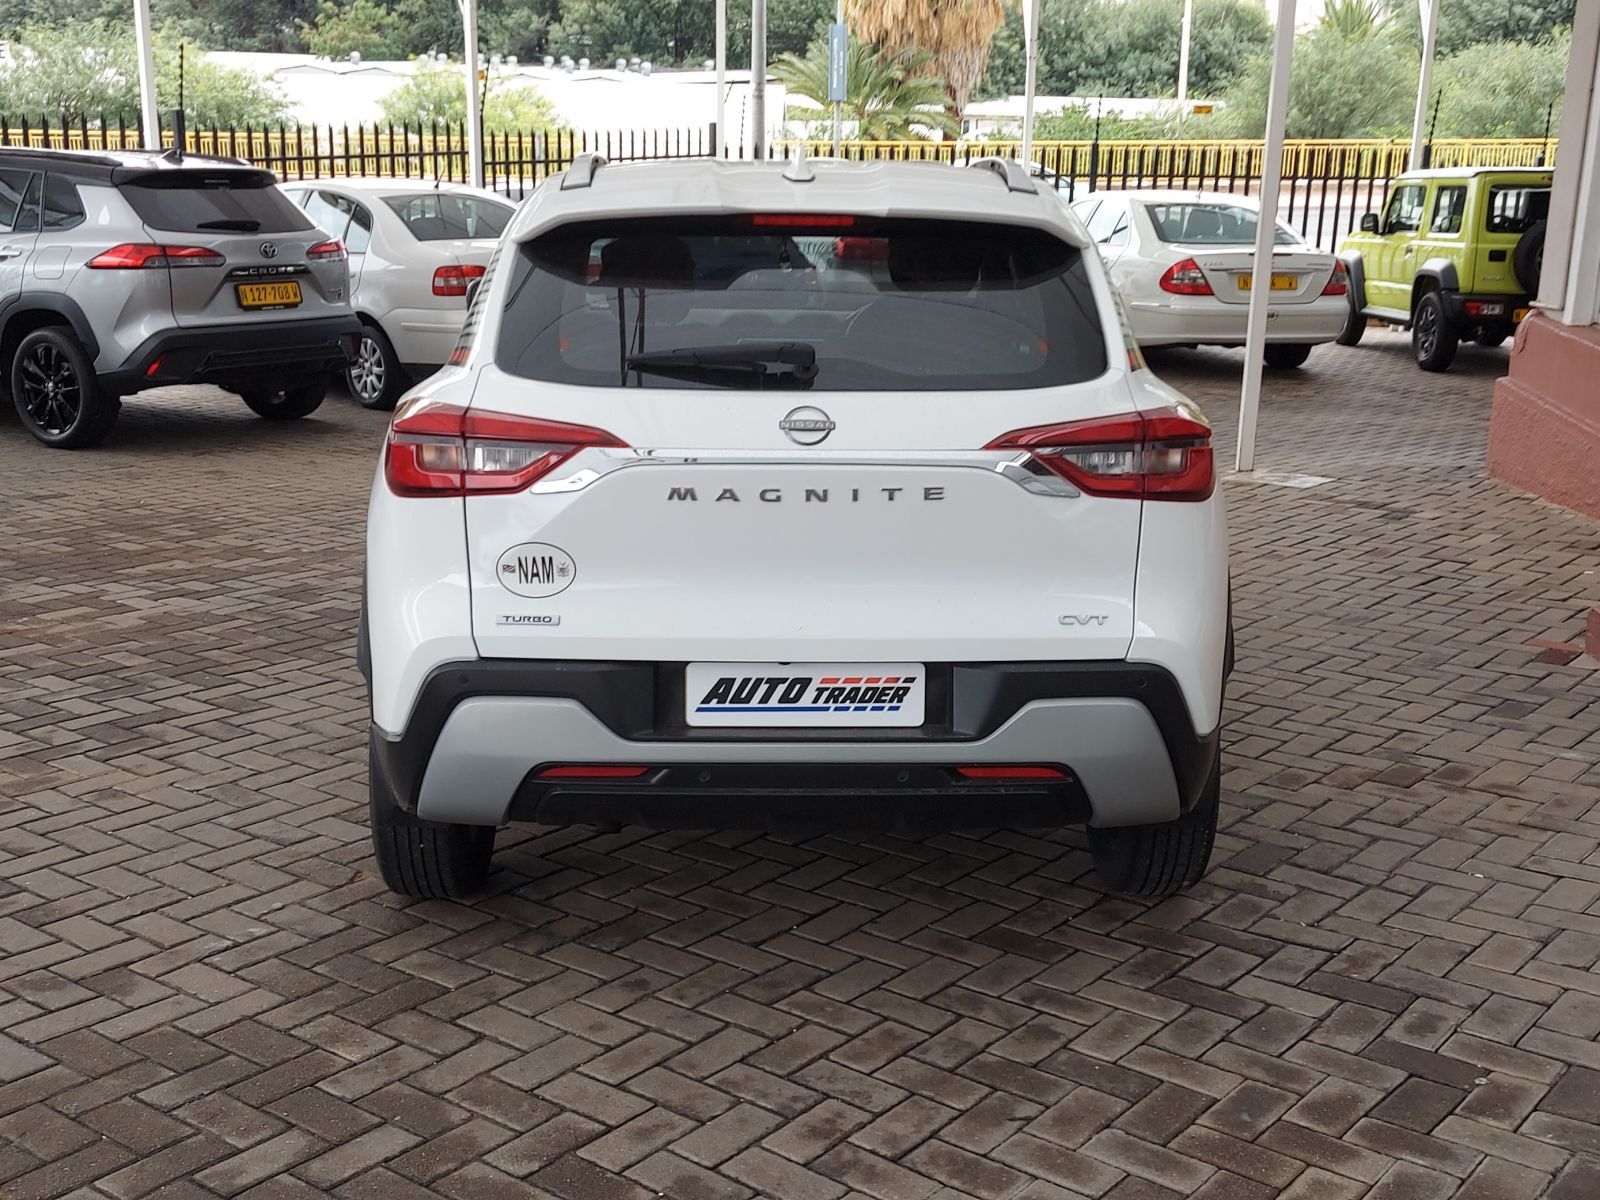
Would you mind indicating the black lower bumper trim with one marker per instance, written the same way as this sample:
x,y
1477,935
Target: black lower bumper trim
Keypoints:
x,y
238,355
643,702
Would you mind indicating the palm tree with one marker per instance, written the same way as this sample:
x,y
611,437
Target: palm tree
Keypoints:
x,y
890,95
1355,19
956,32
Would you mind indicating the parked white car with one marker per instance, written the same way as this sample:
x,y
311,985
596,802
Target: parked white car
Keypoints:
x,y
819,496
414,250
1183,263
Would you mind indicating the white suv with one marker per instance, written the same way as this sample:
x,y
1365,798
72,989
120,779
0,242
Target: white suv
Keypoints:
x,y
818,496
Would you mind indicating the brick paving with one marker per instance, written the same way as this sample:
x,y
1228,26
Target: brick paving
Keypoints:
x,y
1386,988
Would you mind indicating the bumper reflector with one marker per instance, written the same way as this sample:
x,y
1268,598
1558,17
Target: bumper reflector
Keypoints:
x,y
591,771
997,772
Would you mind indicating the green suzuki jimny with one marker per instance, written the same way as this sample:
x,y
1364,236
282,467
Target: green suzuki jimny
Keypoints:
x,y
1455,257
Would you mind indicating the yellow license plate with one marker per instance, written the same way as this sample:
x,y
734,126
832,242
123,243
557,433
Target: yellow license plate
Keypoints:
x,y
269,295
1520,313
1282,281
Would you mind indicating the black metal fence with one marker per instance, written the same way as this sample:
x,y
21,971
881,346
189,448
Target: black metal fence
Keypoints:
x,y
1327,185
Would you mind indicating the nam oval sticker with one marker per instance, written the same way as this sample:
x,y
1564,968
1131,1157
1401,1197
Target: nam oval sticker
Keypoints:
x,y
535,570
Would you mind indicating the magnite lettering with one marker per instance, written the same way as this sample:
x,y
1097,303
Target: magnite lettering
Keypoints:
x,y
811,495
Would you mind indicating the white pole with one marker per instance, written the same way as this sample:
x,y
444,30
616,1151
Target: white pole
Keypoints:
x,y
838,105
758,79
149,114
1183,53
1030,87
722,79
1266,229
469,37
1430,37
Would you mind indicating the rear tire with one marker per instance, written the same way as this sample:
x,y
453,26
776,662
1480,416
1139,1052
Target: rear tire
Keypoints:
x,y
1433,338
376,380
1355,321
288,403
1286,356
1157,860
426,860
56,393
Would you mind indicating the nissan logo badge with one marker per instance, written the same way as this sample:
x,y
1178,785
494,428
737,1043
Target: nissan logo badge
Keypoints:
x,y
806,426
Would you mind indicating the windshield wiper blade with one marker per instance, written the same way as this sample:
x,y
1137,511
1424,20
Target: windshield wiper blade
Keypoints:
x,y
733,365
236,224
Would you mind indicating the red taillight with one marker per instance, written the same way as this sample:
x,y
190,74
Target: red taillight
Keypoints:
x,y
1185,279
329,251
1164,454
1338,282
996,772
444,450
861,249
155,365
1485,308
591,771
453,280
140,256
800,221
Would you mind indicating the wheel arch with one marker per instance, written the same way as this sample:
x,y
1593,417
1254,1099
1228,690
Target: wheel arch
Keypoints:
x,y
37,310
1356,267
1435,275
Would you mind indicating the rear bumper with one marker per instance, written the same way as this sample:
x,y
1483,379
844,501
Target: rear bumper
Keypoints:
x,y
481,731
1212,323
238,355
1455,305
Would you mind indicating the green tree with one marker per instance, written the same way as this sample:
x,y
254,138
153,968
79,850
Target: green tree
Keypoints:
x,y
1464,23
1341,87
438,92
890,97
1357,18
364,27
1501,89
92,70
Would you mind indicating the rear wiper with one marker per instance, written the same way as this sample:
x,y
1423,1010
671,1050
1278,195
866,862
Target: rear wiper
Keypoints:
x,y
236,224
743,364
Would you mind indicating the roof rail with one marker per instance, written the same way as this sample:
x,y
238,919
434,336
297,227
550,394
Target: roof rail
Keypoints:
x,y
1012,172
581,173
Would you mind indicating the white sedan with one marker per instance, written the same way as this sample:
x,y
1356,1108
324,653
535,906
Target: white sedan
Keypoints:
x,y
415,247
1183,263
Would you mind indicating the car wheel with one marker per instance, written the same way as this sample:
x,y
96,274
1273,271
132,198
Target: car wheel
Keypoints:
x,y
1355,322
1157,860
1286,356
376,379
288,403
426,860
54,388
1433,340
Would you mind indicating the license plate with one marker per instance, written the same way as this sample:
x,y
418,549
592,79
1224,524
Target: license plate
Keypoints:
x,y
1520,313
856,695
269,295
1282,281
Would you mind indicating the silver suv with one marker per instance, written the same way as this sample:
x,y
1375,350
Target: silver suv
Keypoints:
x,y
126,271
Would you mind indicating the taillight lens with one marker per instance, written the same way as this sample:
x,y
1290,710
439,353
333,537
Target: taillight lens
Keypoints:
x,y
1338,282
444,450
140,256
329,251
1164,454
1185,279
453,280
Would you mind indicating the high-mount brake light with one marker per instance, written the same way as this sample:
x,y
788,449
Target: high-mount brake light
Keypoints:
x,y
1185,279
1339,282
1163,454
143,256
800,221
444,450
453,279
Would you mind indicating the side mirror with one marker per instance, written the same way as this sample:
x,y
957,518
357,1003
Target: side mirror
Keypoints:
x,y
1369,223
472,289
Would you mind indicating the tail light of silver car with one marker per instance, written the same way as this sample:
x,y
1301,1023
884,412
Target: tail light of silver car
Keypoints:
x,y
1163,454
330,251
1185,278
145,256
1339,282
440,450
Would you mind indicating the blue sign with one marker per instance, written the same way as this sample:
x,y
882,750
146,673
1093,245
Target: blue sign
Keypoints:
x,y
838,57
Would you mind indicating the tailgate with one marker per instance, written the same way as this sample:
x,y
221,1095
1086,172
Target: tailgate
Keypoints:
x,y
1298,276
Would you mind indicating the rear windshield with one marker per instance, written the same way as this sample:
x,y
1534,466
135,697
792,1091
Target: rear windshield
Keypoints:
x,y
1515,208
221,202
1210,225
823,303
436,217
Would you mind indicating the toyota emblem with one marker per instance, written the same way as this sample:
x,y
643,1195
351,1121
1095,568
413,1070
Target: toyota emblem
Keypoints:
x,y
806,426
269,249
